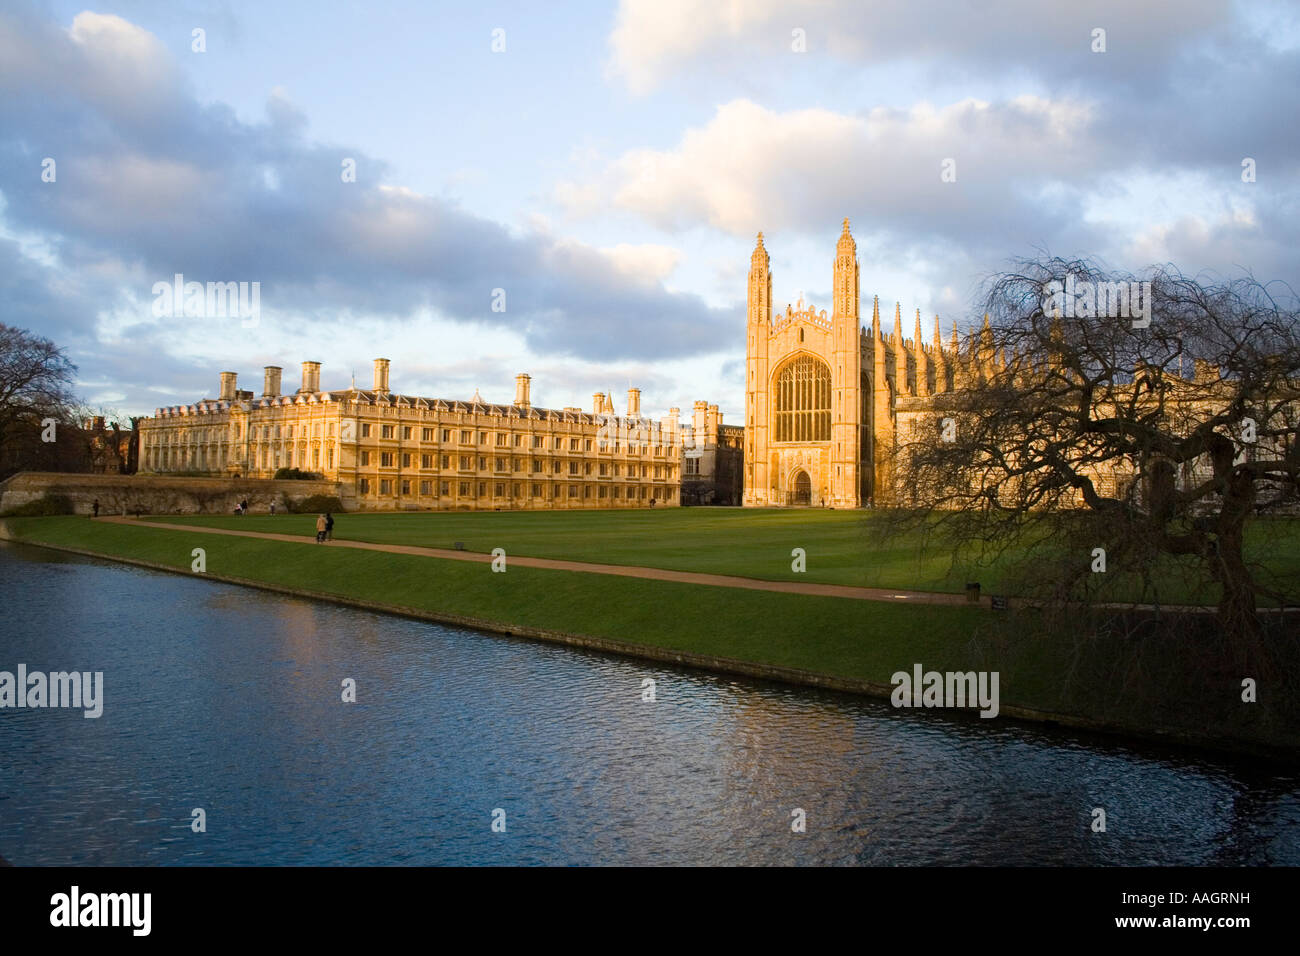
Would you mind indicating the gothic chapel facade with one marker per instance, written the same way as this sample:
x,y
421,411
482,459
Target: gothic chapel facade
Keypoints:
x,y
827,398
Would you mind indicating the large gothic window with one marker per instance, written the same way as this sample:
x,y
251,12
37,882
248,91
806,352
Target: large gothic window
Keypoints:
x,y
803,401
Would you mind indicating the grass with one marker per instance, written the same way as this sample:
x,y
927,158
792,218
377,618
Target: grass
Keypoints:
x,y
843,547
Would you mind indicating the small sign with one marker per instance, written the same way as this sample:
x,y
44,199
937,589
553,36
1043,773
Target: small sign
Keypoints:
x,y
999,603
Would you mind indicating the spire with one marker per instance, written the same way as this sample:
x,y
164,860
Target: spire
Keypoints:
x,y
845,282
760,286
875,319
898,323
916,335
938,339
987,353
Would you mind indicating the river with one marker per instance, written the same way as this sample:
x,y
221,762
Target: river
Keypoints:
x,y
229,700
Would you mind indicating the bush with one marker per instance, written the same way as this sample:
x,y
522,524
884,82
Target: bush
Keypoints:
x,y
43,507
315,504
294,474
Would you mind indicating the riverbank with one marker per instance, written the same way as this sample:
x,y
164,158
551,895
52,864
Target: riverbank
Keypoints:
x,y
836,643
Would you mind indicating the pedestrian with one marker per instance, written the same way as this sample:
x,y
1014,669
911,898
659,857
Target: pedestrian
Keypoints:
x,y
320,528
329,526
243,507
96,507
272,507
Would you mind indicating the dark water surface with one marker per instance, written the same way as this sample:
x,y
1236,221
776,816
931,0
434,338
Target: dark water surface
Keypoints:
x,y
229,699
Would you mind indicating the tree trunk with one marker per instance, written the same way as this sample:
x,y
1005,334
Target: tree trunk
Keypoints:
x,y
1238,614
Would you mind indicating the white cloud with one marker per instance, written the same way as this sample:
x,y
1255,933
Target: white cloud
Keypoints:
x,y
653,41
752,168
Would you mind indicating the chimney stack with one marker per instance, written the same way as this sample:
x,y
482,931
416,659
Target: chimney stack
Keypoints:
x,y
381,375
271,381
523,383
227,387
310,377
598,403
671,424
634,403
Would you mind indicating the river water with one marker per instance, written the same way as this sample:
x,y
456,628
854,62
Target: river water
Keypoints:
x,y
230,700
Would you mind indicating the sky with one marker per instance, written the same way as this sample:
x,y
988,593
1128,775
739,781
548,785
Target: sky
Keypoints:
x,y
574,191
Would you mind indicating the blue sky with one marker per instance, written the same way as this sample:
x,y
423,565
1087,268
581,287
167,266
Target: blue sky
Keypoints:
x,y
609,170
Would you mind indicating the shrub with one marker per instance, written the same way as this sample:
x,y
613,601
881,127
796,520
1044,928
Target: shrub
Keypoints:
x,y
44,506
315,504
295,474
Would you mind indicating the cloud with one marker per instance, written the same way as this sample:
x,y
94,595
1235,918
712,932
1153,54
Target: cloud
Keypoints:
x,y
750,168
658,41
151,183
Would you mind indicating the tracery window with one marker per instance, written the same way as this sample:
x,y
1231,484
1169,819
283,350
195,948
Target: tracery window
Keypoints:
x,y
802,396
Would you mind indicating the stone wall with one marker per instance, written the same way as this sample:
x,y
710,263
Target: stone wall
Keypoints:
x,y
131,494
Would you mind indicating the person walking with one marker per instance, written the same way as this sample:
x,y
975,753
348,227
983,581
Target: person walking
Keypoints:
x,y
272,507
320,528
243,507
329,526
95,506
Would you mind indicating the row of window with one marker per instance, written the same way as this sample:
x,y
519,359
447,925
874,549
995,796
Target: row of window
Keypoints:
x,y
479,489
503,439
389,459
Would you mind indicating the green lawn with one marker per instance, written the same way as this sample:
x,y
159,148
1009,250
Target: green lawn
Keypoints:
x,y
843,637
843,547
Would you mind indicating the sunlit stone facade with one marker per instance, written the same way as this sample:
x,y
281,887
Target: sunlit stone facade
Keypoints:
x,y
825,396
394,451
829,403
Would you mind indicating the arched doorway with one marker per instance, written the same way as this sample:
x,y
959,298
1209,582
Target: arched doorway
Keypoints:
x,y
802,488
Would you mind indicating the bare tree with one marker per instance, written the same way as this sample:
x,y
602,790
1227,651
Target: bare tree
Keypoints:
x,y
35,384
1154,436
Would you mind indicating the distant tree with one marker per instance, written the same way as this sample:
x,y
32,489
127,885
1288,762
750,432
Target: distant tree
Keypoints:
x,y
36,381
1080,430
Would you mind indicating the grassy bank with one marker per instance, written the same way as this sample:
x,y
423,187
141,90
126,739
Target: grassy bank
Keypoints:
x,y
842,547
1053,673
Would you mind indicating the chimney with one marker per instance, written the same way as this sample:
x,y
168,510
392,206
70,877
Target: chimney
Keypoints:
x,y
598,403
381,375
310,377
271,381
670,423
227,387
634,403
523,383
713,422
699,421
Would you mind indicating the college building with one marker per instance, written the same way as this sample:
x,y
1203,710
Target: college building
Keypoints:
x,y
395,451
830,403
825,397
